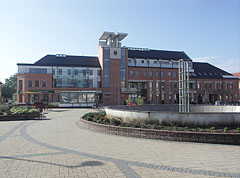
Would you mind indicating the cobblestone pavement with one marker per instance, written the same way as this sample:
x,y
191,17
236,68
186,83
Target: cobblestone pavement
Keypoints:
x,y
58,146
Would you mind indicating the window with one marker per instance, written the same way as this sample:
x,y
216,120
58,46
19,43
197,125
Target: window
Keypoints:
x,y
137,73
59,71
227,85
169,74
90,72
142,61
53,71
175,84
231,85
155,62
170,98
163,85
175,74
170,86
150,73
44,83
69,72
157,74
36,83
199,85
29,83
151,98
20,85
210,85
99,84
163,98
99,73
150,86
45,97
205,85
157,86
129,61
192,85
145,73
162,74
131,73
37,71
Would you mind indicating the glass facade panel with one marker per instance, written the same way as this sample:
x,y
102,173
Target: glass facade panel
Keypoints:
x,y
106,67
73,97
64,97
82,98
90,97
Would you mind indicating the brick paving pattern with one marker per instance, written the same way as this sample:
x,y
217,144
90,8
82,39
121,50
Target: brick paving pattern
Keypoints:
x,y
58,146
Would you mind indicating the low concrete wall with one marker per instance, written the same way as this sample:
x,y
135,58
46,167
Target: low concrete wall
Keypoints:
x,y
222,138
174,108
196,119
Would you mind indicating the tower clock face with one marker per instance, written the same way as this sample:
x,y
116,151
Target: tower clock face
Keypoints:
x,y
115,53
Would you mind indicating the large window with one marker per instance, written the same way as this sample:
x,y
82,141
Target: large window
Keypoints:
x,y
170,86
44,83
82,98
20,85
150,73
36,83
59,71
137,73
131,73
29,83
145,73
99,73
162,74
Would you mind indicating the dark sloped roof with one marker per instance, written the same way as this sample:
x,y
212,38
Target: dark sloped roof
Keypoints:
x,y
157,54
207,71
1,83
66,60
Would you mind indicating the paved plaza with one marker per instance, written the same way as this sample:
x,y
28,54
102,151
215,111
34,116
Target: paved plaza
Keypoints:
x,y
58,146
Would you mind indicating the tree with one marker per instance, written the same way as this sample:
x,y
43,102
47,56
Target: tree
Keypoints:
x,y
9,88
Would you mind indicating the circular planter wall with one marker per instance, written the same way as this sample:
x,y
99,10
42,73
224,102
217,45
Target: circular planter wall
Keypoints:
x,y
219,138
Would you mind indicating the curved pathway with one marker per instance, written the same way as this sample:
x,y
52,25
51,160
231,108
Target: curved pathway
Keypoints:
x,y
58,146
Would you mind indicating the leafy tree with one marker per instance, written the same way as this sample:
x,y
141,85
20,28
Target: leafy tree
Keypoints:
x,y
9,88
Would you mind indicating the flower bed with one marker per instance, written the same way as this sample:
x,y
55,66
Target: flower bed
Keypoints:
x,y
19,113
101,118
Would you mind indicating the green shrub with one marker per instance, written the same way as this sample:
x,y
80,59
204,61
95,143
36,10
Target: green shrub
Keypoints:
x,y
129,100
140,101
200,129
3,108
115,121
186,129
238,130
225,129
212,129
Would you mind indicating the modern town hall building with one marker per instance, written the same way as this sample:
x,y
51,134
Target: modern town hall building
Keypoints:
x,y
118,73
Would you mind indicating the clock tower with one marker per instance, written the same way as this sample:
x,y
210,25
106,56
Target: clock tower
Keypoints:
x,y
113,60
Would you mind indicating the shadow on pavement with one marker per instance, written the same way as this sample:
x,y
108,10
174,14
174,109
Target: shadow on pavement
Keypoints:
x,y
83,164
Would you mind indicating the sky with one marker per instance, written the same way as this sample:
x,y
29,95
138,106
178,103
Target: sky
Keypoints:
x,y
207,30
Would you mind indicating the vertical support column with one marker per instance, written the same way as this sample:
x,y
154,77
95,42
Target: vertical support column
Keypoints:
x,y
183,69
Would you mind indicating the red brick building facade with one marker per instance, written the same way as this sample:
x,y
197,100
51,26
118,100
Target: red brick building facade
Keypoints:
x,y
119,73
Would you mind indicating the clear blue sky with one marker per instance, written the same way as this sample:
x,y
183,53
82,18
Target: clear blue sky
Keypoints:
x,y
207,30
